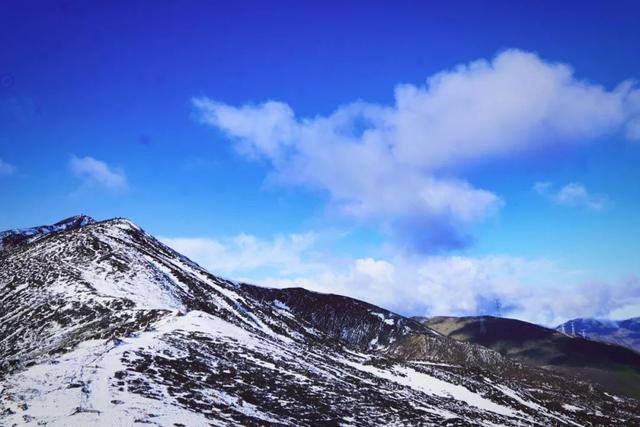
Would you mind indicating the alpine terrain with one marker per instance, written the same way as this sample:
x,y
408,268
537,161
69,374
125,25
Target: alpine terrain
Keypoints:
x,y
622,332
101,324
615,368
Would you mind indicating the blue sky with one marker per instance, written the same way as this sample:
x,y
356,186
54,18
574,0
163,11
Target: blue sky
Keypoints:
x,y
434,159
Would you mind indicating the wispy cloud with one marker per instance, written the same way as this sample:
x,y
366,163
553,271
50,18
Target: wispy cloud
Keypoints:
x,y
395,164
245,254
6,168
94,172
573,194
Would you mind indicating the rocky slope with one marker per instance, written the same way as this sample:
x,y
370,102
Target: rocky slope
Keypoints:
x,y
615,368
101,324
11,239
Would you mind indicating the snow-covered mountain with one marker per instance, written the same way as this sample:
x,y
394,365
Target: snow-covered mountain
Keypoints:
x,y
101,324
12,238
622,332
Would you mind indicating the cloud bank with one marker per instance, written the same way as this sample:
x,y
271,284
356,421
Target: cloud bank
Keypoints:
x,y
402,165
535,290
465,286
97,173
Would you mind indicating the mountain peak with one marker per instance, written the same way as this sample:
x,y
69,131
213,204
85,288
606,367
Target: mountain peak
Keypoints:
x,y
75,221
122,221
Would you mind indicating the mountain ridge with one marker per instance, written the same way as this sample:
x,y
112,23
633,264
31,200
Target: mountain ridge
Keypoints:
x,y
14,238
614,367
624,332
104,324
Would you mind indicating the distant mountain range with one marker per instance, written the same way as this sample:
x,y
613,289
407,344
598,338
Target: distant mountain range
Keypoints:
x,y
621,332
615,368
102,325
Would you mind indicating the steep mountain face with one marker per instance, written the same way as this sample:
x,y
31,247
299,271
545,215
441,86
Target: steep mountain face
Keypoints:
x,y
615,368
621,332
101,324
370,328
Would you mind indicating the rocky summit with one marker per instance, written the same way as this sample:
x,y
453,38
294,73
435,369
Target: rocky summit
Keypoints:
x,y
101,324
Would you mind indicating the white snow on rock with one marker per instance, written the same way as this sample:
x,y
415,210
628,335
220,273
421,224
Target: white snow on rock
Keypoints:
x,y
107,326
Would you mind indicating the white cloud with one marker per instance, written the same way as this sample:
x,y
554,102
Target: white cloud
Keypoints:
x,y
96,172
537,290
245,255
542,187
572,194
6,168
396,164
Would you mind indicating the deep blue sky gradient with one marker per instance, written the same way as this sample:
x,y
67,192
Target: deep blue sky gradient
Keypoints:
x,y
114,80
